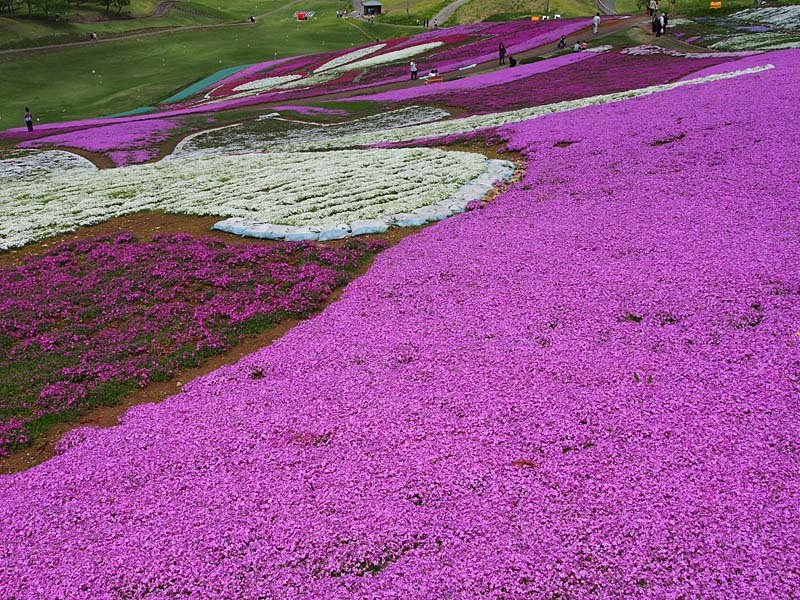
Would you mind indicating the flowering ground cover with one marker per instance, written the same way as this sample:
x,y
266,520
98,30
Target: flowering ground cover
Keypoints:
x,y
87,322
586,389
517,36
474,82
124,143
284,188
456,129
761,29
605,73
18,164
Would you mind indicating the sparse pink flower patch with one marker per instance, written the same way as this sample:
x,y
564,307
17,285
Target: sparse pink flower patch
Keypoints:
x,y
98,318
124,143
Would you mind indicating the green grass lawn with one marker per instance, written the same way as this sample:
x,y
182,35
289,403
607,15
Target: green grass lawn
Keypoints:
x,y
479,10
102,79
22,33
394,11
29,32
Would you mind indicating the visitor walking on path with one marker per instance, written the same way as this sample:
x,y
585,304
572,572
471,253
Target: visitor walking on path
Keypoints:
x,y
28,119
651,8
595,23
660,22
501,50
413,66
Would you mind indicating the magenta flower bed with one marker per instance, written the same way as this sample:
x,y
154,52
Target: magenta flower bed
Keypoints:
x,y
88,321
493,78
604,74
587,389
517,36
124,143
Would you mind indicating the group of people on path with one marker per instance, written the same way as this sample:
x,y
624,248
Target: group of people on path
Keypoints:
x,y
414,68
659,20
502,53
660,24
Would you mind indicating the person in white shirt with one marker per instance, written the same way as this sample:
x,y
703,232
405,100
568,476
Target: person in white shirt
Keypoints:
x,y
595,23
413,70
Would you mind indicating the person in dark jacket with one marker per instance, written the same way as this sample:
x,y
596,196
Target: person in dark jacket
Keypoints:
x,y
28,119
501,50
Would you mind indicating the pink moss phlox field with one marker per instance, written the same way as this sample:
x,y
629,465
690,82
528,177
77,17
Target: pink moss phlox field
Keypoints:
x,y
587,389
125,143
606,73
517,36
101,316
493,78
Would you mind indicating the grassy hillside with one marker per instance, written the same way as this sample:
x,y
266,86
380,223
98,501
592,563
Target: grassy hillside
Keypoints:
x,y
24,31
480,10
102,79
394,11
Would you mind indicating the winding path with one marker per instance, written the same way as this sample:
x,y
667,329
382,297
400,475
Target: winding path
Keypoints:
x,y
443,15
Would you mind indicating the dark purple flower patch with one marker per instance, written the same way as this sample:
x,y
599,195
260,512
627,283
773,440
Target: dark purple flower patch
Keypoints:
x,y
603,74
90,320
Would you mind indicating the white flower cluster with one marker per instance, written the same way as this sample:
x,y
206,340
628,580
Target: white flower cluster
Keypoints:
x,y
328,71
302,136
496,170
300,189
22,164
650,50
780,17
349,57
599,49
265,83
393,56
758,41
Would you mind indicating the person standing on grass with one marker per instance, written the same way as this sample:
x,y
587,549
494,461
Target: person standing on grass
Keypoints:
x,y
413,70
501,50
595,23
28,119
